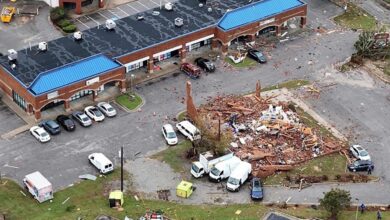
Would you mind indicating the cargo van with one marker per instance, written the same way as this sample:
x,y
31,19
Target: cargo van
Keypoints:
x,y
188,130
222,170
101,162
206,161
239,176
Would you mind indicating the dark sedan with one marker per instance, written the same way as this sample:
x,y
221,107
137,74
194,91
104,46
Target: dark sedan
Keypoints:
x,y
256,189
257,55
66,122
205,64
51,126
361,165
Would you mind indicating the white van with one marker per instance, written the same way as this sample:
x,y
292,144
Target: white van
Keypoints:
x,y
222,170
101,162
239,176
188,130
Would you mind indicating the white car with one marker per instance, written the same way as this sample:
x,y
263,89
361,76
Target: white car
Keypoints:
x,y
107,109
359,152
169,134
40,134
101,162
94,113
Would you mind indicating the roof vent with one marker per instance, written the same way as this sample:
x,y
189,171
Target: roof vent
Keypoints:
x,y
140,17
168,6
155,13
209,9
12,55
42,46
200,5
179,22
78,35
110,24
228,10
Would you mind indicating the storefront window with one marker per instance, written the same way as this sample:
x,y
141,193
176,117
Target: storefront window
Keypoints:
x,y
19,100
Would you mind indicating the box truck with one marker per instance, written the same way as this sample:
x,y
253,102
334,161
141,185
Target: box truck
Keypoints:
x,y
206,161
239,176
38,186
222,170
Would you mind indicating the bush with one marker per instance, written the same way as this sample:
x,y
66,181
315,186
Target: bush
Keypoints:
x,y
57,14
63,23
70,28
70,208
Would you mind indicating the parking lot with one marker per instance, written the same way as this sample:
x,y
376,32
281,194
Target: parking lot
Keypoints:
x,y
125,10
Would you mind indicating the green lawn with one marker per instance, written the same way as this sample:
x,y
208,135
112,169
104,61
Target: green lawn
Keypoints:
x,y
124,100
182,115
175,156
247,62
356,18
330,166
309,121
292,84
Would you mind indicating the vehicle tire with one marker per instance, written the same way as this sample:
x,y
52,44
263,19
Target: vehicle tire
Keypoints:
x,y
219,180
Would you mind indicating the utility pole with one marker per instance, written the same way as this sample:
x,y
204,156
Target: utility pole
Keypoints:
x,y
122,169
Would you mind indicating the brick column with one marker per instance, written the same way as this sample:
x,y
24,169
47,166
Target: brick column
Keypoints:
x,y
67,105
150,65
101,3
278,31
183,53
225,49
94,95
303,22
37,114
214,44
251,37
30,109
78,7
122,85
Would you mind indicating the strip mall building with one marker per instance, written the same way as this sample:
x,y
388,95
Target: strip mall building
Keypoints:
x,y
70,68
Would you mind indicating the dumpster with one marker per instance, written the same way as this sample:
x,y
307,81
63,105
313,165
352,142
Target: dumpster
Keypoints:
x,y
38,186
116,199
184,189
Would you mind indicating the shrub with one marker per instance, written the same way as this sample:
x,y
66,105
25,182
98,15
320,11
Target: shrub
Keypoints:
x,y
70,28
70,208
63,23
57,14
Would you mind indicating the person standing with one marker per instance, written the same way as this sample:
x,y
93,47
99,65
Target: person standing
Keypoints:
x,y
362,208
369,170
379,215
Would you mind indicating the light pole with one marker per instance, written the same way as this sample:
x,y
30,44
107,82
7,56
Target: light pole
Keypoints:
x,y
131,82
357,208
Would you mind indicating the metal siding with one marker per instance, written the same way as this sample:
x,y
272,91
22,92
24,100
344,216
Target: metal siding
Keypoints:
x,y
256,11
72,73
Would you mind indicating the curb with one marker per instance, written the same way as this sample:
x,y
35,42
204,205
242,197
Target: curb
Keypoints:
x,y
134,110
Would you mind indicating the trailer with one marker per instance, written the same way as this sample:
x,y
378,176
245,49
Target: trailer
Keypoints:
x,y
39,187
7,13
206,161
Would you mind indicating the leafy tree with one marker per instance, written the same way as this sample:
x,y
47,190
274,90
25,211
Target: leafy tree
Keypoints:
x,y
335,200
364,44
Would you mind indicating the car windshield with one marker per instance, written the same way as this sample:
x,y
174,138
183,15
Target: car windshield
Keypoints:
x,y
215,171
259,54
52,124
171,135
363,153
96,112
195,168
256,186
110,109
356,163
44,134
84,118
233,181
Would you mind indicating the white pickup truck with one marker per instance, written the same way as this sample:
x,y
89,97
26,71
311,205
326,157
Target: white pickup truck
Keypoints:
x,y
206,161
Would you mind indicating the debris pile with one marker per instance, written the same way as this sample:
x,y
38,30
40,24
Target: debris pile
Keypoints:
x,y
269,135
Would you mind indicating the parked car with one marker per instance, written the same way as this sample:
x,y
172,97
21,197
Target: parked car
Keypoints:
x,y
94,113
191,70
101,162
359,152
205,64
256,189
66,122
40,134
361,165
107,109
82,119
188,130
257,55
51,126
169,134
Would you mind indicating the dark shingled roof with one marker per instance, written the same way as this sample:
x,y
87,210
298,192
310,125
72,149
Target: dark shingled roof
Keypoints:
x,y
129,36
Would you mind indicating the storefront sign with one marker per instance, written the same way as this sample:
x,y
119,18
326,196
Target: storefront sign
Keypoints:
x,y
92,81
262,23
52,95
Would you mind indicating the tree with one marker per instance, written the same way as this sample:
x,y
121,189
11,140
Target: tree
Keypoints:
x,y
335,200
364,44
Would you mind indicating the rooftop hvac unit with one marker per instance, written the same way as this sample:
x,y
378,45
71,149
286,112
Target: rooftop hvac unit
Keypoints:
x,y
178,22
12,55
209,9
110,24
140,17
168,6
200,5
42,46
155,13
78,35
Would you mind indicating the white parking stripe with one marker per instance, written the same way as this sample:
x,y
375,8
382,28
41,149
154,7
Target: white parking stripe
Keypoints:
x,y
93,20
115,15
158,4
103,15
83,23
123,11
132,8
142,5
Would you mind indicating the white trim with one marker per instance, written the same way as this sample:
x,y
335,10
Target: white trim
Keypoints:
x,y
167,51
199,40
127,65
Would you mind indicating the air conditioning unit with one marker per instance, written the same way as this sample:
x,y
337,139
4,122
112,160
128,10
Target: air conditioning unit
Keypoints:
x,y
78,35
42,46
179,22
210,9
200,5
168,6
12,55
110,24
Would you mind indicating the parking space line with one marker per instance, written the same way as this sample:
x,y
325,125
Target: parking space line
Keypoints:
x,y
143,5
155,3
123,11
83,23
132,8
115,15
103,15
88,17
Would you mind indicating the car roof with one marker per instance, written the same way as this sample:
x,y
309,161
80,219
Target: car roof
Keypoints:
x,y
169,128
51,123
40,130
101,158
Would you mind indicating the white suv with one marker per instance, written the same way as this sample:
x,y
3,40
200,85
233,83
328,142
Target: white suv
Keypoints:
x,y
359,152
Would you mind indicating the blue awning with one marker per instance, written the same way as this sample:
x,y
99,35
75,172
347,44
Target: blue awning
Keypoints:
x,y
72,73
256,12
